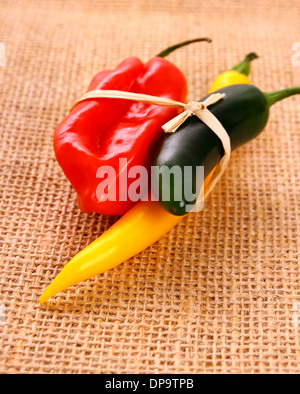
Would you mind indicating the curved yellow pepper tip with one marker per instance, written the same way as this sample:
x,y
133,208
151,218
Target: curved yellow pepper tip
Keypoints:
x,y
139,228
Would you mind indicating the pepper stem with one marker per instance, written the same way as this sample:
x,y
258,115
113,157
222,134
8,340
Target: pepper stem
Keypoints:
x,y
244,66
274,97
173,48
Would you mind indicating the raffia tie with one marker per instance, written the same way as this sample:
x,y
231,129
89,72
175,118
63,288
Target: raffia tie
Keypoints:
x,y
196,108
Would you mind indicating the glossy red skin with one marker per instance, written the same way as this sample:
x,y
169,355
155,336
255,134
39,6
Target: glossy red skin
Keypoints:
x,y
98,132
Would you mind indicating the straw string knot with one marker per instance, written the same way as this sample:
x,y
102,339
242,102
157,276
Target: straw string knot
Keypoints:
x,y
192,108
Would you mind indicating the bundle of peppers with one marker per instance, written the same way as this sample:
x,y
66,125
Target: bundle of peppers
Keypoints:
x,y
98,132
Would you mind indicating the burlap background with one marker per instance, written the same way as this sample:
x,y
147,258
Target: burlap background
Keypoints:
x,y
219,293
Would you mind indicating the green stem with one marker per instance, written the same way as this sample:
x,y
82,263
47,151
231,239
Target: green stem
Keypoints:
x,y
171,49
274,97
244,66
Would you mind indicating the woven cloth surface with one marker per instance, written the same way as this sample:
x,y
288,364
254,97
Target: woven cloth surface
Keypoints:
x,y
220,292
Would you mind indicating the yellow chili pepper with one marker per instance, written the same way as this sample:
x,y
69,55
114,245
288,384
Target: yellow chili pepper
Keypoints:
x,y
139,228
238,74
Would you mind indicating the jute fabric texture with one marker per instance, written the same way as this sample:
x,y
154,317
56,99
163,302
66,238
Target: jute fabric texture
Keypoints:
x,y
220,292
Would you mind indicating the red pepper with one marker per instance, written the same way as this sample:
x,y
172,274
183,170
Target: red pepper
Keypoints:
x,y
99,132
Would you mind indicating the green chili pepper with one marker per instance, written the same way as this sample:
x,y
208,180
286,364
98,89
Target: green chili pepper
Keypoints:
x,y
244,113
